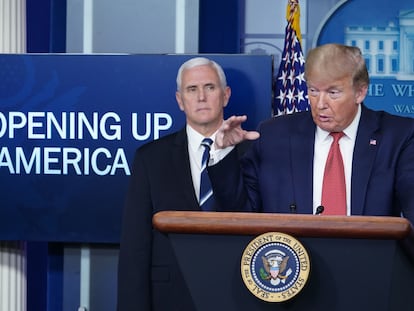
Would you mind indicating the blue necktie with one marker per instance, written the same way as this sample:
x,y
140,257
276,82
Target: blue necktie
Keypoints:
x,y
206,192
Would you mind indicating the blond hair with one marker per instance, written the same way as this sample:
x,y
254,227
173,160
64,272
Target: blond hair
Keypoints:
x,y
336,61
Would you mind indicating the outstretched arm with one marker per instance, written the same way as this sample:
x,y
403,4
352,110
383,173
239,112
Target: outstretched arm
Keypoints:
x,y
226,174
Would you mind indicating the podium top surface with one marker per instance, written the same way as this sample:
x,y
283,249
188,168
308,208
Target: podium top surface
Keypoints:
x,y
364,227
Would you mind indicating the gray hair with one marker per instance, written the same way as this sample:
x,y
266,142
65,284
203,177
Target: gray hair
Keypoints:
x,y
201,61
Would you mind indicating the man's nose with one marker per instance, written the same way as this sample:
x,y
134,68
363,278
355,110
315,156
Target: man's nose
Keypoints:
x,y
201,94
321,100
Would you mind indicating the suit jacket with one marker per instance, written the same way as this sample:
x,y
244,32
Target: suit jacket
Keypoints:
x,y
148,275
278,171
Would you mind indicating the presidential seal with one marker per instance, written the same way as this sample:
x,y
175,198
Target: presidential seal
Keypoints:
x,y
275,267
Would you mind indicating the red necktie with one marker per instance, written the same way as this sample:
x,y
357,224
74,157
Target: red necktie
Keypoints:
x,y
333,188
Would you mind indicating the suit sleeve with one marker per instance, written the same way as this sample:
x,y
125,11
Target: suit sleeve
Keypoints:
x,y
405,176
228,181
134,267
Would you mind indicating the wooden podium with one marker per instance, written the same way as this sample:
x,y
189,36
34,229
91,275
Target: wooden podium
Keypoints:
x,y
357,262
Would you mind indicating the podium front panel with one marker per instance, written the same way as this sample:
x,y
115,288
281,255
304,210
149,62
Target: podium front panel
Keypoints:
x,y
346,274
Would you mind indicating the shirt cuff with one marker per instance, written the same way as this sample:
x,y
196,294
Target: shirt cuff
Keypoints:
x,y
218,154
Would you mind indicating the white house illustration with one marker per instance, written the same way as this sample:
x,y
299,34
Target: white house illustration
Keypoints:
x,y
388,50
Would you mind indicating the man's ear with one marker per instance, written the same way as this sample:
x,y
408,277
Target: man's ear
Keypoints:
x,y
361,94
179,101
227,94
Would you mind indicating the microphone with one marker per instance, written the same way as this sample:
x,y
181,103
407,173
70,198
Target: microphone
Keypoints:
x,y
319,210
292,208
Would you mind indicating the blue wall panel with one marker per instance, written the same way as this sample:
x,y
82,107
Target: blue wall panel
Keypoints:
x,y
68,136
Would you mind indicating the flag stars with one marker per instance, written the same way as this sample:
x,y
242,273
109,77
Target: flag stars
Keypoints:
x,y
301,59
292,76
300,96
281,96
290,96
283,76
295,59
287,59
290,93
301,78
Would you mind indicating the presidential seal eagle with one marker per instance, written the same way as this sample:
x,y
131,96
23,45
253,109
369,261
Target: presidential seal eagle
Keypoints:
x,y
275,266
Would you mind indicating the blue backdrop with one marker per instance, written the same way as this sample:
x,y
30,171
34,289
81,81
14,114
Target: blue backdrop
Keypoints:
x,y
69,126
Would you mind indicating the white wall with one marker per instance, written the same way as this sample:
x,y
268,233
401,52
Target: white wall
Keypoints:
x,y
132,26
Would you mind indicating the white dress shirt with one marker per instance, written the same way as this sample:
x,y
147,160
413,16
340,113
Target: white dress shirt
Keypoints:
x,y
195,151
322,145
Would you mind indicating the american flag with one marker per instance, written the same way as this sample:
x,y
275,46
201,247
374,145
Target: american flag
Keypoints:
x,y
290,90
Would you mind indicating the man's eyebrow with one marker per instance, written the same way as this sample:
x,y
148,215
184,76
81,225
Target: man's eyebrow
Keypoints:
x,y
196,85
189,86
336,87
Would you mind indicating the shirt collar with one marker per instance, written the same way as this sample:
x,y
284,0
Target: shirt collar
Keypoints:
x,y
195,138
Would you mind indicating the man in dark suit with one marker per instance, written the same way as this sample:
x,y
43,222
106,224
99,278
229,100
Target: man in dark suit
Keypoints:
x,y
166,176
284,170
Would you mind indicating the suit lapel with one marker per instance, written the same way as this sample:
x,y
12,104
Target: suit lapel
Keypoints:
x,y
301,148
181,167
365,151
